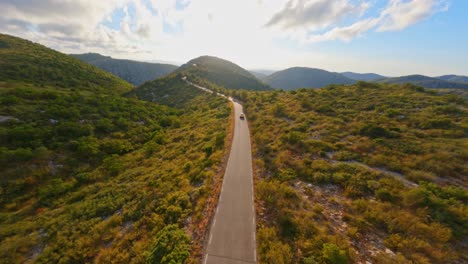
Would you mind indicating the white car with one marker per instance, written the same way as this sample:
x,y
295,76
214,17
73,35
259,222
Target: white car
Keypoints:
x,y
242,116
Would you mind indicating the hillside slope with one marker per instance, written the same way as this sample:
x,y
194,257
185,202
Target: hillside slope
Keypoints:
x,y
223,73
302,77
25,61
91,176
170,90
135,72
424,81
362,76
360,173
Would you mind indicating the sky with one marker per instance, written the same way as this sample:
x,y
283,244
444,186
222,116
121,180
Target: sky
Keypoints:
x,y
389,37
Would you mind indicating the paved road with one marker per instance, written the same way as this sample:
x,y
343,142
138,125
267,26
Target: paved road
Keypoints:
x,y
232,233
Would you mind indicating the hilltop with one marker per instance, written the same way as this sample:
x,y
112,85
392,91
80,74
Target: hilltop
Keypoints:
x,y
424,81
223,73
302,77
135,72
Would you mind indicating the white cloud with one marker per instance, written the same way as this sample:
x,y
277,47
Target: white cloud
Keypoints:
x,y
244,31
400,14
315,14
397,15
346,33
62,24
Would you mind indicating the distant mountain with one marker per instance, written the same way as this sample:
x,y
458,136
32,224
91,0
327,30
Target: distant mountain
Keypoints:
x,y
223,73
424,81
263,71
301,77
454,78
259,75
135,72
363,76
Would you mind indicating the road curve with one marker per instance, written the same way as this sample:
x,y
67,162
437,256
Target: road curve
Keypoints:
x,y
232,233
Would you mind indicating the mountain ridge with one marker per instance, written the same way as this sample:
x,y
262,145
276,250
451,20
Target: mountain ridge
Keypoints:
x,y
304,77
135,72
362,76
454,78
424,81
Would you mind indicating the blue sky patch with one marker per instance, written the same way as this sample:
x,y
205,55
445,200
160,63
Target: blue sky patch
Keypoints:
x,y
116,17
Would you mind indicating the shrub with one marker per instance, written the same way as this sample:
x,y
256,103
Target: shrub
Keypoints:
x,y
332,254
417,176
112,165
87,147
172,246
279,110
442,123
374,131
271,249
287,224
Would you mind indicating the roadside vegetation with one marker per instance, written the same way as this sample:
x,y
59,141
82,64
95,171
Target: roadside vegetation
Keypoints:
x,y
368,172
90,175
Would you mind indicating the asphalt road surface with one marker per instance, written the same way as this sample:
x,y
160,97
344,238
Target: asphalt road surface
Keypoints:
x,y
232,233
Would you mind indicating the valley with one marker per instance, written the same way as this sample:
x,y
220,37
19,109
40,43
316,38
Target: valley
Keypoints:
x,y
323,168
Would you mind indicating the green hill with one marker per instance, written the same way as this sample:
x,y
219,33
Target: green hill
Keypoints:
x,y
25,61
223,73
365,172
301,77
424,81
134,72
454,78
89,175
170,90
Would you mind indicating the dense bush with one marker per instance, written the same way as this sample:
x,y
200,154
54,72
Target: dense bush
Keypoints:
x,y
366,142
172,246
89,175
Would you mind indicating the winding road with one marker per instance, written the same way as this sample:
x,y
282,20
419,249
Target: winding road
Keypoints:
x,y
232,233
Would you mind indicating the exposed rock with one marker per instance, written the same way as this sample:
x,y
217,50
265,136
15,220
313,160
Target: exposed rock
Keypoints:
x,y
6,118
389,251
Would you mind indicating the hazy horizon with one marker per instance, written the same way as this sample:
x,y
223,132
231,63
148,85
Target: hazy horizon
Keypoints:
x,y
391,38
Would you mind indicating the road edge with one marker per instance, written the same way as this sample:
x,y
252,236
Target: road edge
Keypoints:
x,y
200,243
